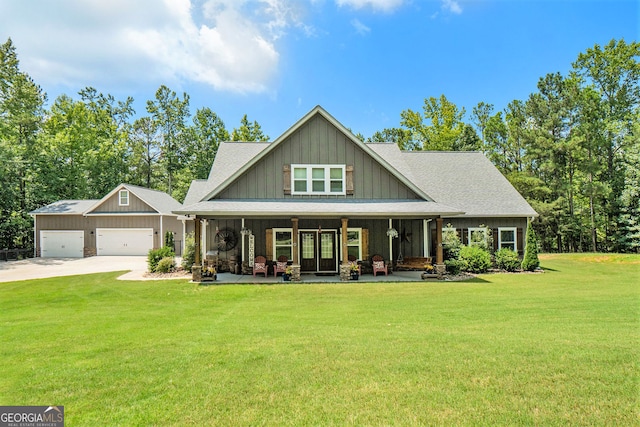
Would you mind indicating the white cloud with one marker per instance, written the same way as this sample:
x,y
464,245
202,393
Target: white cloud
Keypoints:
x,y
451,6
227,44
360,27
382,5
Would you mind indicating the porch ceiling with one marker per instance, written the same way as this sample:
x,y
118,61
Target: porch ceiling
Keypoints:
x,y
314,208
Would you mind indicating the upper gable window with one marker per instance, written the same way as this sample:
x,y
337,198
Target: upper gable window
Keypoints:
x,y
123,198
318,179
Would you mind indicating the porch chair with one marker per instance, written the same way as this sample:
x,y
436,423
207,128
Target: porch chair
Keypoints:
x,y
378,265
281,265
260,266
352,260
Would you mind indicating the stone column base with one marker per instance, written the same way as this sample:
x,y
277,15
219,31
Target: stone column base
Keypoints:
x,y
295,274
345,272
196,273
441,269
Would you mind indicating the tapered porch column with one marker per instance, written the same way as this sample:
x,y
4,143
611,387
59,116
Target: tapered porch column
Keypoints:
x,y
439,252
345,242
294,237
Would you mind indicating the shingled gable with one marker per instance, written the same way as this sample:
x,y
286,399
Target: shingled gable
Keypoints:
x,y
261,150
159,202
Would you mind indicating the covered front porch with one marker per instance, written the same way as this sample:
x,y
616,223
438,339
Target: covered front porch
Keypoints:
x,y
318,249
311,278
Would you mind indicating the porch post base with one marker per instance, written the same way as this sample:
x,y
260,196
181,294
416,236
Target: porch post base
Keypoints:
x,y
441,269
196,273
345,272
295,274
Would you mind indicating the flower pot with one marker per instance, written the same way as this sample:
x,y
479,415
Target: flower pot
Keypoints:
x,y
354,275
286,278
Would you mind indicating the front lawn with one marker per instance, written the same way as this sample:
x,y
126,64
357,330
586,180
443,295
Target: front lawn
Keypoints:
x,y
557,348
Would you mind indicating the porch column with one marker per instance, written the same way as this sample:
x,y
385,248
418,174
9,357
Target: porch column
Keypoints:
x,y
294,238
345,242
197,237
439,253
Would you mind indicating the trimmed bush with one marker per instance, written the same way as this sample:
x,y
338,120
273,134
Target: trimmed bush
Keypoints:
x,y
169,240
189,255
454,266
475,259
451,243
530,261
166,265
507,259
155,255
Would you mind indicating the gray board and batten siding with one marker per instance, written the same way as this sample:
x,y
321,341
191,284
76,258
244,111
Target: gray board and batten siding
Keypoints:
x,y
317,142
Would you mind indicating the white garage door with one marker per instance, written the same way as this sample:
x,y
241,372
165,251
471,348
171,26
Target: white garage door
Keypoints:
x,y
61,243
124,241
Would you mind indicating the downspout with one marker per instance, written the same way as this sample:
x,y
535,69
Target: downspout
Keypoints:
x,y
162,231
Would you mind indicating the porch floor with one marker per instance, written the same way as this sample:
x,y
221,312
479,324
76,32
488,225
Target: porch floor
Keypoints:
x,y
396,276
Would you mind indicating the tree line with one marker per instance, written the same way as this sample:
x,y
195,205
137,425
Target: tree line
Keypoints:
x,y
571,148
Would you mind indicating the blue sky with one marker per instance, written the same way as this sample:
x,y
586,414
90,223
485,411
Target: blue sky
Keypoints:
x,y
364,61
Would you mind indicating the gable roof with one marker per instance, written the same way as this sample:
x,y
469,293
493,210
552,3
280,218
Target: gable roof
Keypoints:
x,y
239,157
159,201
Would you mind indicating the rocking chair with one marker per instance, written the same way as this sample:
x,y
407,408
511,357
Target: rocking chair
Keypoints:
x,y
260,266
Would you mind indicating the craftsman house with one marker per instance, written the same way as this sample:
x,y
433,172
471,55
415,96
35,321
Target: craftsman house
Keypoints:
x,y
129,220
318,195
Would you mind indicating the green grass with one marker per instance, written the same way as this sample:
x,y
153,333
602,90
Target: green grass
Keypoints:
x,y
558,348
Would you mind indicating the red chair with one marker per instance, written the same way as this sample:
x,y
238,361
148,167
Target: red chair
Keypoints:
x,y
260,266
281,265
378,265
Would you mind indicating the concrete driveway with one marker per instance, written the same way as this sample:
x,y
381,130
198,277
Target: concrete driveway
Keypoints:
x,y
37,268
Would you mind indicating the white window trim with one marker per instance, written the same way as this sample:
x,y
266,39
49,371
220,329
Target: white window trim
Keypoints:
x,y
471,230
120,193
327,179
359,230
274,247
515,237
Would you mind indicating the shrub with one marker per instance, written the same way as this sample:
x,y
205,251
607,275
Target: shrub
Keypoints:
x,y
451,243
189,255
530,261
475,259
507,259
155,255
453,266
166,265
169,242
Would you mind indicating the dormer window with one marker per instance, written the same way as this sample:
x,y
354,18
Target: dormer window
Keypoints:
x,y
318,179
123,198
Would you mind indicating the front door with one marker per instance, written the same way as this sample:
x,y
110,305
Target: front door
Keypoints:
x,y
318,251
308,251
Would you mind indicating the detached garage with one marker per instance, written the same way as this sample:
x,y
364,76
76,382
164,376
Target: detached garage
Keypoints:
x,y
124,241
62,243
130,220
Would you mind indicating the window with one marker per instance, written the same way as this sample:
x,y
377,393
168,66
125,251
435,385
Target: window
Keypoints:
x,y
283,243
123,198
507,238
477,237
354,242
318,179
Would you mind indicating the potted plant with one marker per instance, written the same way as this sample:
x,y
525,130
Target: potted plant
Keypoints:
x,y
209,274
286,276
429,271
354,271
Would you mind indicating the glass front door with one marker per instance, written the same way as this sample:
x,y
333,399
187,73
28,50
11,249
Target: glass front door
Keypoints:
x,y
318,251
